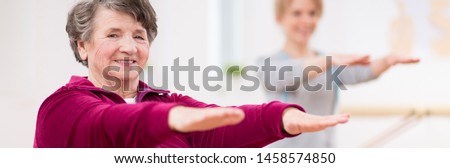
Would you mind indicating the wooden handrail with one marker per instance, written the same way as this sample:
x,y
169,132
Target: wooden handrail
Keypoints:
x,y
408,122
371,110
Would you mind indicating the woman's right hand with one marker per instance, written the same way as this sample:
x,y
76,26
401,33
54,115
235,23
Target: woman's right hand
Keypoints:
x,y
188,119
350,59
336,60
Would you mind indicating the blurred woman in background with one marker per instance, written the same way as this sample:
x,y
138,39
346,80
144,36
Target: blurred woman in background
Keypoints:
x,y
299,19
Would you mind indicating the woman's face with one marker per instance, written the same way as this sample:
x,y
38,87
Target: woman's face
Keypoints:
x,y
299,20
118,44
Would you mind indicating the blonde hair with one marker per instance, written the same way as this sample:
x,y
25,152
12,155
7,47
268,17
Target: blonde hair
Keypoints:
x,y
282,5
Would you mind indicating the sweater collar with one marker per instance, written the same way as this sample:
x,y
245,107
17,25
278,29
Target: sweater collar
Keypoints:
x,y
81,82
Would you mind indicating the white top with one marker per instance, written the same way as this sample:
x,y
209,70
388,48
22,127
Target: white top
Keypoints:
x,y
130,100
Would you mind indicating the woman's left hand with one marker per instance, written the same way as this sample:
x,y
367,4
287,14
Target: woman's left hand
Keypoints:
x,y
394,59
380,66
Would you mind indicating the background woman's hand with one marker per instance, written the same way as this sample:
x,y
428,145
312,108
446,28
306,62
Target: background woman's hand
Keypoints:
x,y
296,121
350,59
187,119
394,59
337,60
381,65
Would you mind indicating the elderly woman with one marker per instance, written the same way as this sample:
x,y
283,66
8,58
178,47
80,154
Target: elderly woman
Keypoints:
x,y
111,37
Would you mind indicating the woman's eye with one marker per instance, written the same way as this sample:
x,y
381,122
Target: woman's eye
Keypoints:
x,y
139,37
297,13
312,13
112,36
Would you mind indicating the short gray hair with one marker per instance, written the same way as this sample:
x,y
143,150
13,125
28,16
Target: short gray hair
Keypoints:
x,y
80,19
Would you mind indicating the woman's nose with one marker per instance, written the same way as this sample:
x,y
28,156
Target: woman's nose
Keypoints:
x,y
306,20
128,45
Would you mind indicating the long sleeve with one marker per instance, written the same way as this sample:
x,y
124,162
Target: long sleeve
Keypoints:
x,y
291,78
356,74
262,125
81,119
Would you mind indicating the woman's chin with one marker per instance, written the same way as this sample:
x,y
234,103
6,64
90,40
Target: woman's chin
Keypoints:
x,y
301,40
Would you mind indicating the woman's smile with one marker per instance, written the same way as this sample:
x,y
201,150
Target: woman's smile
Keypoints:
x,y
126,62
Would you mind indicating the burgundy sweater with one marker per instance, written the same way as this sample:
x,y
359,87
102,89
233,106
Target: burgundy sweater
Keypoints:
x,y
83,116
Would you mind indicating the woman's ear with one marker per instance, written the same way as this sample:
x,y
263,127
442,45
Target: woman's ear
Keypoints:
x,y
82,50
279,19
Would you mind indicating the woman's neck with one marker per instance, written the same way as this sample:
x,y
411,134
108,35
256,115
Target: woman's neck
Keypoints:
x,y
298,50
121,89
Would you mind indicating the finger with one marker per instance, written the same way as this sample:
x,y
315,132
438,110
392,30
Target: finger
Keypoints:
x,y
408,60
361,60
358,56
365,62
413,60
343,118
353,55
365,58
338,119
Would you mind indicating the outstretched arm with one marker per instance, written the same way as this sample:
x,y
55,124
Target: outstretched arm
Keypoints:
x,y
294,121
244,126
336,60
381,65
282,80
